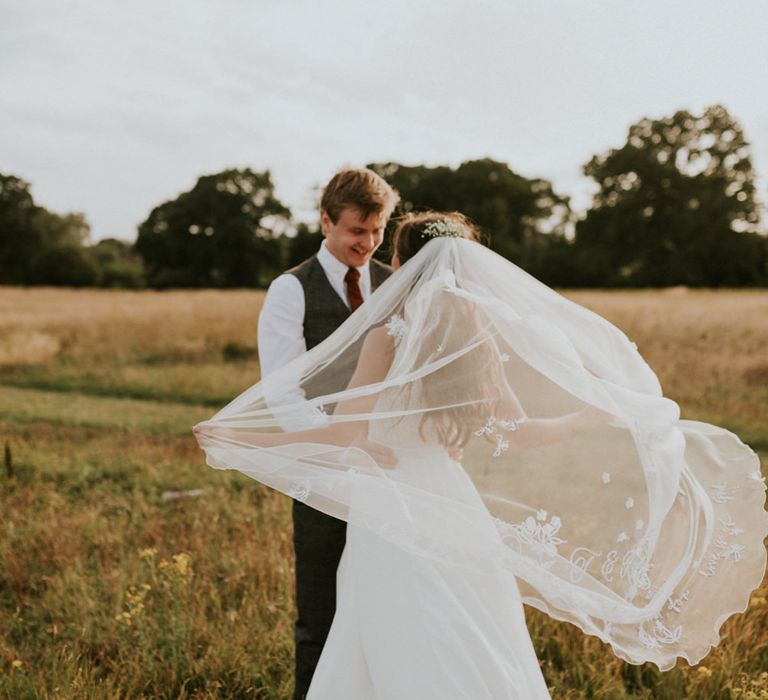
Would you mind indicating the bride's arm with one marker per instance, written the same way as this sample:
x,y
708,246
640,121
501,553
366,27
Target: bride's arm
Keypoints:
x,y
372,366
522,431
534,432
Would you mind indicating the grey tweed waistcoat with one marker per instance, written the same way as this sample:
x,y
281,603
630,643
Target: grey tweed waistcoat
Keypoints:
x,y
324,311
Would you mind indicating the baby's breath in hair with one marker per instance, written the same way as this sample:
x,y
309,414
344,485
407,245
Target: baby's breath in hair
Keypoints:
x,y
444,228
415,230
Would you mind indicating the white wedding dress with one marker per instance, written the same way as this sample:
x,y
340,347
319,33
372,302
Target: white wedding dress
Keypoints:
x,y
408,627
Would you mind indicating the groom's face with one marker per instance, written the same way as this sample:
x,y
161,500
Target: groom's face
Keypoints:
x,y
353,239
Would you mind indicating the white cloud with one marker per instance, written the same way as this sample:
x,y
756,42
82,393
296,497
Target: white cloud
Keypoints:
x,y
112,108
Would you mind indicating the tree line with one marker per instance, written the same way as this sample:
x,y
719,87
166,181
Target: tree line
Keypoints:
x,y
676,204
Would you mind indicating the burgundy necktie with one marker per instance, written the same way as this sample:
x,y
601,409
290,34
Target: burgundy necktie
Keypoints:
x,y
354,295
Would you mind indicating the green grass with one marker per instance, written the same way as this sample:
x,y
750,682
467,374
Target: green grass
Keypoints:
x,y
202,383
83,505
110,590
69,408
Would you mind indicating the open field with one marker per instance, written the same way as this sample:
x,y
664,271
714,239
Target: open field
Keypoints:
x,y
113,586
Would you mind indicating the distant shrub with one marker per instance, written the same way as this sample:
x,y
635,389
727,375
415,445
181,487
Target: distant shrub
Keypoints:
x,y
120,265
235,352
122,275
68,266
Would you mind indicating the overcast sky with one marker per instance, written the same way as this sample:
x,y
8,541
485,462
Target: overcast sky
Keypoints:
x,y
111,108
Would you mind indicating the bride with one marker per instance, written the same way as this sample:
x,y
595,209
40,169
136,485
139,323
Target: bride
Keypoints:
x,y
491,443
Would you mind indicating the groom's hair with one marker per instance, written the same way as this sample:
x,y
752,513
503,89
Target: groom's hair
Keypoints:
x,y
361,189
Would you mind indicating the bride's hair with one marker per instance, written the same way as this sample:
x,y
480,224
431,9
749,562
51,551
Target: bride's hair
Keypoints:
x,y
479,368
411,233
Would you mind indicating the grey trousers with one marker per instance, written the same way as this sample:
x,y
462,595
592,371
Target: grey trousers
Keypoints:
x,y
318,540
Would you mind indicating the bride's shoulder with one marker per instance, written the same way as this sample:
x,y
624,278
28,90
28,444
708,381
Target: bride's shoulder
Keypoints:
x,y
375,357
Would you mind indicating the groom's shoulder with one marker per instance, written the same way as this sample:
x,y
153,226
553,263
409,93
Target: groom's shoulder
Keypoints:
x,y
287,283
379,270
303,268
381,265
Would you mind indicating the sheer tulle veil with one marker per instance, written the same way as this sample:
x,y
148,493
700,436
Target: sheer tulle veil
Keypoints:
x,y
613,513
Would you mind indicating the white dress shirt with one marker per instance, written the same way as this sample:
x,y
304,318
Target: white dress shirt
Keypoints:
x,y
281,322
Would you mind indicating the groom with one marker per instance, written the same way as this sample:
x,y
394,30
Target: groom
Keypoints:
x,y
302,308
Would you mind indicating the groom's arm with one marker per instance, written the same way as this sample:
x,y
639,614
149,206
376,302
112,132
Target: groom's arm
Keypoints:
x,y
372,367
281,324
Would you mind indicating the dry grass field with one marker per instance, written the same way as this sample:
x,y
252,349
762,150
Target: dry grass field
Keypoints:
x,y
117,582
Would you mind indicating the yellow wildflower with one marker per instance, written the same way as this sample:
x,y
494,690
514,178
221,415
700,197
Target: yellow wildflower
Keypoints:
x,y
179,567
704,671
124,617
16,663
181,562
134,597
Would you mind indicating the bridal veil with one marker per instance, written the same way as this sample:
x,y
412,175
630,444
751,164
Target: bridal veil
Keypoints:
x,y
612,513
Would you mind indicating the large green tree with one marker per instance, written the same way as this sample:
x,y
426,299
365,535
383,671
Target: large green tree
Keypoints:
x,y
66,265
221,233
675,204
19,240
304,244
31,238
523,216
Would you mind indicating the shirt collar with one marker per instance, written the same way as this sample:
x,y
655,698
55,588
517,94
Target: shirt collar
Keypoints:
x,y
333,265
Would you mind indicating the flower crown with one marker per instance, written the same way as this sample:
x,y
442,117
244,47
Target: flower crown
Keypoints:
x,y
443,228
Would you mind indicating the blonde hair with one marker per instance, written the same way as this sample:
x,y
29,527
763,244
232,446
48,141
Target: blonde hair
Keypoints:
x,y
361,189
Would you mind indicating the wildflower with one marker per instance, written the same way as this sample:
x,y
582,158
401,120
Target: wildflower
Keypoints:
x,y
16,663
134,603
178,567
181,562
124,618
752,688
704,671
147,553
